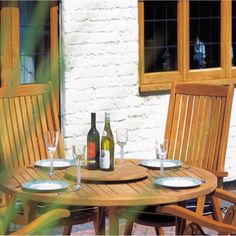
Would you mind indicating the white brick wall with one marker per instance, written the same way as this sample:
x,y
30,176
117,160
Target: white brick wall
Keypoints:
x,y
101,74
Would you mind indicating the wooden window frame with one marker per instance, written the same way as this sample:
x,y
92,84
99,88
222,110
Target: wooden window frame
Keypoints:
x,y
10,44
158,81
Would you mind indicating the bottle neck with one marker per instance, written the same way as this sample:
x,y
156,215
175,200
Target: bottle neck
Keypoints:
x,y
107,122
93,120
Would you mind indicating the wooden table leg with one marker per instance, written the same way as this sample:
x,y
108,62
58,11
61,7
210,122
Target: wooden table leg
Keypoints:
x,y
113,214
200,205
100,221
30,210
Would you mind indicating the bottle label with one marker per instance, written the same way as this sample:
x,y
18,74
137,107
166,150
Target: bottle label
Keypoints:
x,y
105,159
91,150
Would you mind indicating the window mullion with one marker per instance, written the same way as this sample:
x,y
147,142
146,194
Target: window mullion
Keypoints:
x,y
54,44
9,43
15,23
183,39
226,37
141,41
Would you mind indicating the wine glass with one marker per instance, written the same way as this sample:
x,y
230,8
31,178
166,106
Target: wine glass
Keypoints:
x,y
51,139
78,153
161,152
122,138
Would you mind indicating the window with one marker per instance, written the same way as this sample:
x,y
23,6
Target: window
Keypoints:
x,y
34,41
204,20
29,42
160,36
186,41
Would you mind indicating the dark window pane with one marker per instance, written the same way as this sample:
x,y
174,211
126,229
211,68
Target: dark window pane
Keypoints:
x,y
171,32
160,36
34,41
160,13
149,59
204,34
234,33
160,33
149,11
149,34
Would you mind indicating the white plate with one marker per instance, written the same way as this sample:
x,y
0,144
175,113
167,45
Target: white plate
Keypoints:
x,y
45,185
178,182
155,163
57,163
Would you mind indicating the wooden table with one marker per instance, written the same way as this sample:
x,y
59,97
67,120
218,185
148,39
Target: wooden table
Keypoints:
x,y
111,195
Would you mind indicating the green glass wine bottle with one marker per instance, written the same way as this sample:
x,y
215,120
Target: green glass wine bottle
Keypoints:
x,y
107,146
93,145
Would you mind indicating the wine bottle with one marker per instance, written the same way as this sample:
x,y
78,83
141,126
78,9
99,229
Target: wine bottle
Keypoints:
x,y
107,146
93,145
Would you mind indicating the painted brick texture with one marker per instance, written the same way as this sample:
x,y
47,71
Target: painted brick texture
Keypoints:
x,y
100,42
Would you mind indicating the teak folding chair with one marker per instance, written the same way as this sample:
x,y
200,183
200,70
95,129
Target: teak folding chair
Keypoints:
x,y
197,129
223,226
26,113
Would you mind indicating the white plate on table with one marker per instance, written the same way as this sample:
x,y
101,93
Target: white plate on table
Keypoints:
x,y
178,182
45,185
156,163
57,163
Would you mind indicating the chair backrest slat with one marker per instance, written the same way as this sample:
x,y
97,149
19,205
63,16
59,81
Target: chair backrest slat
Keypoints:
x,y
205,131
14,119
198,124
21,128
39,131
187,127
26,112
43,121
28,131
6,145
10,131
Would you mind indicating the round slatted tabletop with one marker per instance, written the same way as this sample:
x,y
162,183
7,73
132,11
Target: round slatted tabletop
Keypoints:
x,y
138,192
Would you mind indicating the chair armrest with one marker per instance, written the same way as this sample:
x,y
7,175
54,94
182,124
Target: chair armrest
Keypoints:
x,y
225,195
220,173
220,177
42,221
194,217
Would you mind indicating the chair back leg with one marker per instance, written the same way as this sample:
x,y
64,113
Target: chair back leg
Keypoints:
x,y
230,215
128,227
193,229
67,229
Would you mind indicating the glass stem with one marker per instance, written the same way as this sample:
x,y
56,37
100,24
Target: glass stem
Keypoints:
x,y
162,167
78,175
121,154
51,163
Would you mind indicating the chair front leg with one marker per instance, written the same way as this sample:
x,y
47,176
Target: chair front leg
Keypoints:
x,y
128,227
193,229
216,208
